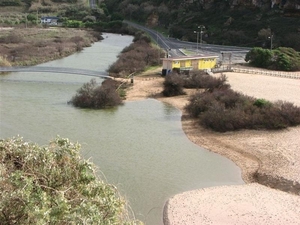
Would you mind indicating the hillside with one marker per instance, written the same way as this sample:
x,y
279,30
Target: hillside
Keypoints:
x,y
228,22
241,23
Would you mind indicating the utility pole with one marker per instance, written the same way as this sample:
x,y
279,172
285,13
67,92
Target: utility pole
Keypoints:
x,y
201,27
158,49
196,32
271,38
37,17
201,32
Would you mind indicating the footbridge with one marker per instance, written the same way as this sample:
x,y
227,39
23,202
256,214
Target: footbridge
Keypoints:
x,y
66,70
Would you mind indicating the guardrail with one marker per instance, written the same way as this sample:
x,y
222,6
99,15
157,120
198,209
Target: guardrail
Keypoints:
x,y
293,75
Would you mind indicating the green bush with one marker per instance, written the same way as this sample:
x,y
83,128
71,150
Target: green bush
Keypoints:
x,y
54,185
259,57
10,3
285,59
74,24
261,102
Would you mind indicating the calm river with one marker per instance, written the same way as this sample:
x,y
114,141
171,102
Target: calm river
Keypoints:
x,y
140,146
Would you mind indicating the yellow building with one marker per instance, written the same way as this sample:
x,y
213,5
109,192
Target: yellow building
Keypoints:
x,y
184,63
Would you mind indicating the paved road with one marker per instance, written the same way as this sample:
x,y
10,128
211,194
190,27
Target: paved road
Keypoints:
x,y
173,46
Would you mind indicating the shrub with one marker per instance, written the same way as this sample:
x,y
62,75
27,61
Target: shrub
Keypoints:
x,y
90,95
199,103
286,59
11,38
221,120
54,185
226,110
290,112
261,102
259,57
173,85
74,23
4,62
199,79
135,58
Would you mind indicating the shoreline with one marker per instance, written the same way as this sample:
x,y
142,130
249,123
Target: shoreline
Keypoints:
x,y
267,159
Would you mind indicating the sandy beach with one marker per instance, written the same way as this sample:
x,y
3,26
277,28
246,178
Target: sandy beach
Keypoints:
x,y
269,160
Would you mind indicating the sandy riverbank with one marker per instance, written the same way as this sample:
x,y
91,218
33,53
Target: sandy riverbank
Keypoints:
x,y
269,157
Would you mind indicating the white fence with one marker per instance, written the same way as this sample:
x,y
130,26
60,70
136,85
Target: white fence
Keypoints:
x,y
294,75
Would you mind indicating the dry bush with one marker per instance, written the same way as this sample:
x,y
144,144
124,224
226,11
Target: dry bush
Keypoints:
x,y
219,119
173,85
200,79
92,95
4,62
199,103
226,110
135,58
12,38
42,45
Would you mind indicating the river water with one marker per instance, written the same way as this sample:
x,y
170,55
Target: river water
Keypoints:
x,y
140,147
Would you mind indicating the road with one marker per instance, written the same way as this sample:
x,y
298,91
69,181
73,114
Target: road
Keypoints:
x,y
174,46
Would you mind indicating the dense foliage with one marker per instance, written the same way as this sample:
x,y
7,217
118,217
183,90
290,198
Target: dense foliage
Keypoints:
x,y
238,23
54,185
10,2
285,59
92,95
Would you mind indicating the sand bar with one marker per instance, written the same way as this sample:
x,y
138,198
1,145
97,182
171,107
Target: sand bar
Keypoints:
x,y
271,158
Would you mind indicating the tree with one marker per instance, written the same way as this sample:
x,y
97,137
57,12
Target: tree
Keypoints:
x,y
54,185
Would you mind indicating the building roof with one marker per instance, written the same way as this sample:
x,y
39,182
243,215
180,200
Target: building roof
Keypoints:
x,y
49,17
202,56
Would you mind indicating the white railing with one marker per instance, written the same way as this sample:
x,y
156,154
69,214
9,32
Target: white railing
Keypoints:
x,y
293,75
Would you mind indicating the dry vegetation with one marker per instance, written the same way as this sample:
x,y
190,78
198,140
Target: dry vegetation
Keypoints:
x,y
222,109
37,45
137,57
92,95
